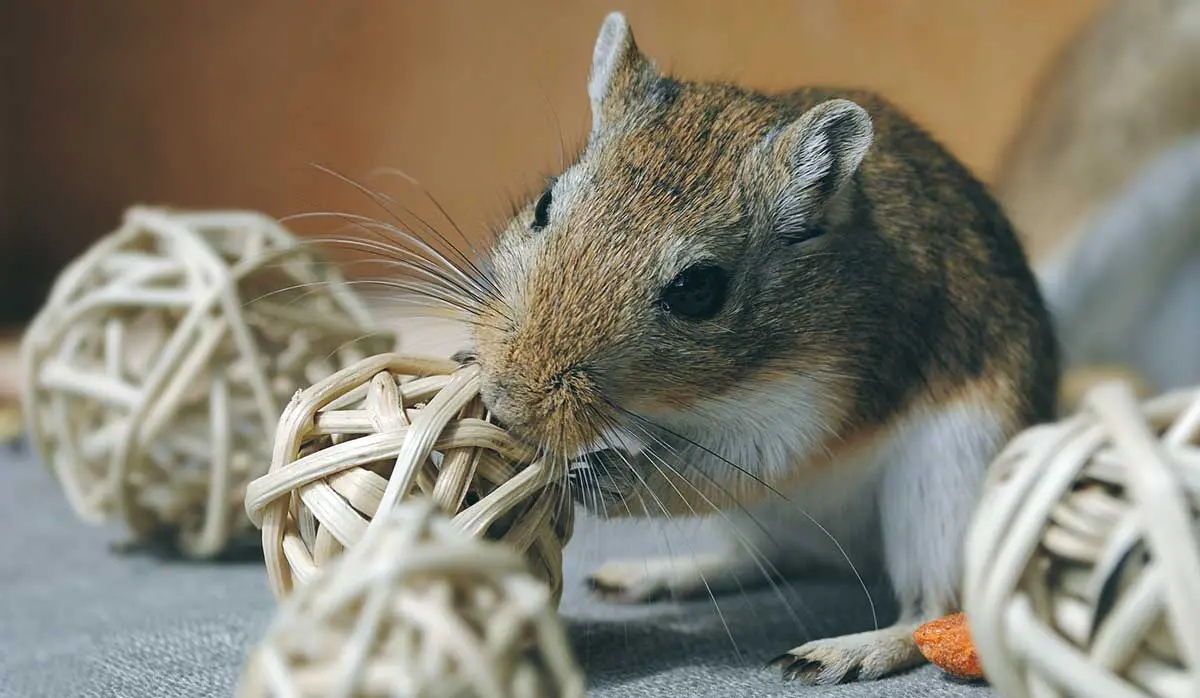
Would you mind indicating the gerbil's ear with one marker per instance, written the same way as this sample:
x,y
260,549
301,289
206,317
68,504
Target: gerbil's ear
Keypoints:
x,y
618,69
821,150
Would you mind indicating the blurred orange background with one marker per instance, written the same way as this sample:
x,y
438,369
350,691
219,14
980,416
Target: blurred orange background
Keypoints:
x,y
228,104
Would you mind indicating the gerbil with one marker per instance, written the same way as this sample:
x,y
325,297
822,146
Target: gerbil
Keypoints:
x,y
799,293
1102,182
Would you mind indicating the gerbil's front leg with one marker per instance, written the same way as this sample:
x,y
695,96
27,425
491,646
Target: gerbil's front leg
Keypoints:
x,y
868,655
931,479
681,577
616,484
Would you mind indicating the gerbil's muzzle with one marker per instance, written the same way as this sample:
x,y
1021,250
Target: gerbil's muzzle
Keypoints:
x,y
557,411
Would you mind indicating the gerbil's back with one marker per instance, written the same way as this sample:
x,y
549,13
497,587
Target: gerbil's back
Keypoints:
x,y
965,302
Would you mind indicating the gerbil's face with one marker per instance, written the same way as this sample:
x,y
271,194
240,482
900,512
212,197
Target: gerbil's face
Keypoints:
x,y
631,284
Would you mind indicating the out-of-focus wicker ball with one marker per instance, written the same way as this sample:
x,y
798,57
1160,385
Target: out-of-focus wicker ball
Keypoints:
x,y
417,608
1083,560
156,372
1078,381
392,427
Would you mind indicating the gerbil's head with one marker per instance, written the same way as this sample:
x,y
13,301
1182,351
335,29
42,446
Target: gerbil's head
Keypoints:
x,y
682,254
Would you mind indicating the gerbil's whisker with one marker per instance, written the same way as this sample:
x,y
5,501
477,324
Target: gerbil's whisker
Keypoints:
x,y
341,347
380,199
590,418
421,290
564,489
433,200
562,148
479,263
415,296
413,263
472,293
613,448
768,569
767,486
376,228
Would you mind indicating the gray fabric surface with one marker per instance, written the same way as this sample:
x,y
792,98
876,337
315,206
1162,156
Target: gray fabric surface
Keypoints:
x,y
77,619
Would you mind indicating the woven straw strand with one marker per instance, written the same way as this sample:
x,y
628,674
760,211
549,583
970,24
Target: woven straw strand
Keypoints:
x,y
365,439
1083,568
158,366
416,608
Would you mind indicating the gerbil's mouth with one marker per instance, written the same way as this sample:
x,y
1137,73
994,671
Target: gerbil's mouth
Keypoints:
x,y
602,480
602,476
598,475
556,412
614,440
564,438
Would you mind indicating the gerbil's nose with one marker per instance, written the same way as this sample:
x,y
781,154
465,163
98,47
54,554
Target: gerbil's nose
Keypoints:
x,y
547,406
570,378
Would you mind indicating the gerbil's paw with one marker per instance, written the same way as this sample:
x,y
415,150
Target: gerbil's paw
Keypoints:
x,y
859,657
629,582
655,579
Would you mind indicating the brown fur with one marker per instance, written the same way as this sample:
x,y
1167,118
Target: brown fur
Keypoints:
x,y
917,290
878,304
1124,90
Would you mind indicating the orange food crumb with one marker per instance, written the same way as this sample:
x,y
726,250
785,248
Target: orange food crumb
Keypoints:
x,y
946,642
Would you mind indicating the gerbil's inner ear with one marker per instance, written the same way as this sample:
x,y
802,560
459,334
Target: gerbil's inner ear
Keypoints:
x,y
618,70
821,151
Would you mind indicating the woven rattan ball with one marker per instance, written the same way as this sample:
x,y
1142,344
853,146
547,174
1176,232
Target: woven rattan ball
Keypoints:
x,y
417,608
156,372
1083,561
389,428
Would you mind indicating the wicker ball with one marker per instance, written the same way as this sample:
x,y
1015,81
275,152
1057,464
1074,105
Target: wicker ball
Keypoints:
x,y
1078,381
1083,560
389,428
417,608
156,372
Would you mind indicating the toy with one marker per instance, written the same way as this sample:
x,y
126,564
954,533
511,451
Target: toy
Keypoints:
x,y
1083,561
383,430
158,367
417,608
1077,382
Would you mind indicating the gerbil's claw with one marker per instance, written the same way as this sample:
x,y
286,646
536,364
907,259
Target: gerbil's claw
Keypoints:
x,y
806,671
859,657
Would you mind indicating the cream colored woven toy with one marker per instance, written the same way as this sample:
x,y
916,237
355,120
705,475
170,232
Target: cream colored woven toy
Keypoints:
x,y
156,372
388,428
1083,562
417,608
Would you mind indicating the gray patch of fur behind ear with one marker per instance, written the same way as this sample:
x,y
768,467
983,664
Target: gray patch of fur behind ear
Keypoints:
x,y
825,148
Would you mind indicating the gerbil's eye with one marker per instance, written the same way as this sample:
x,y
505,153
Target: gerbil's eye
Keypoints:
x,y
697,293
541,212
